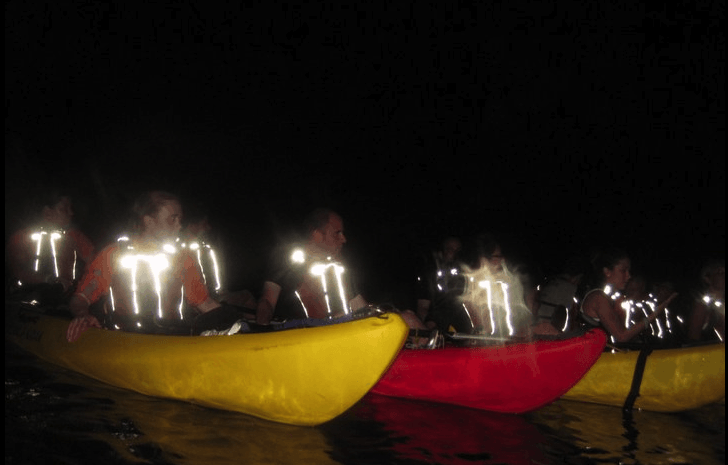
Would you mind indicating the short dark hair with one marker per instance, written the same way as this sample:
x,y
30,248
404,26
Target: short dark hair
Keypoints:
x,y
149,203
317,219
606,258
710,267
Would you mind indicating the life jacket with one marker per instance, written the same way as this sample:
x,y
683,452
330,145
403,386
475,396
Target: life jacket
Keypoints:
x,y
207,260
495,302
449,279
626,310
639,309
146,292
53,255
556,302
323,291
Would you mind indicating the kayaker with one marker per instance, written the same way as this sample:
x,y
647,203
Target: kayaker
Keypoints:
x,y
707,319
500,300
439,288
290,290
605,306
556,295
310,280
48,257
146,279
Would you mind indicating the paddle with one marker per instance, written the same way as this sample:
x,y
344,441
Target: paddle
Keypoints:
x,y
639,368
479,337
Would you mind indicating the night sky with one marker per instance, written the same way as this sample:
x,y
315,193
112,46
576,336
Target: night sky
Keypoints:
x,y
558,127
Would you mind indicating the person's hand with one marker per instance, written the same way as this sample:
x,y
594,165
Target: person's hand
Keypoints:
x,y
79,325
66,283
661,308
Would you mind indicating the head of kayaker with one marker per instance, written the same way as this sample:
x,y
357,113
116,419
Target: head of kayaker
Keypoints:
x,y
158,219
326,237
150,280
605,306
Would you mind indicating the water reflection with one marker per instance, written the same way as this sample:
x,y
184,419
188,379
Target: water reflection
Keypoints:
x,y
603,434
55,416
422,432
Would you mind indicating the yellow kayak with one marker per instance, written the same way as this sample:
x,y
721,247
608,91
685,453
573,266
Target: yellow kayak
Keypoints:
x,y
673,379
301,376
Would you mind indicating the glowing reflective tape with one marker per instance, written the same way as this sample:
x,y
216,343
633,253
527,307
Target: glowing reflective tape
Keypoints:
x,y
216,270
156,264
199,262
319,269
38,237
486,285
472,323
111,298
305,310
507,304
627,307
181,303
339,270
52,238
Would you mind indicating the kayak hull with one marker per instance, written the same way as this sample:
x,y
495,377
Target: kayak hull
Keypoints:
x,y
513,378
673,379
301,376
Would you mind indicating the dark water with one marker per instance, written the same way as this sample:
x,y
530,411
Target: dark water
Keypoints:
x,y
53,416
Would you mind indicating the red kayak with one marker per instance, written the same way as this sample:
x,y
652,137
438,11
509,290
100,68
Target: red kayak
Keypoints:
x,y
511,378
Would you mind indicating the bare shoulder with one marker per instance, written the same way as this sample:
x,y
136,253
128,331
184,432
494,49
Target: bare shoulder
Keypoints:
x,y
595,300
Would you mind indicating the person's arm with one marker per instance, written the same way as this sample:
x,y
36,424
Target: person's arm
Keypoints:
x,y
357,302
423,307
720,324
82,319
267,303
95,283
610,319
207,305
83,246
532,301
697,320
195,289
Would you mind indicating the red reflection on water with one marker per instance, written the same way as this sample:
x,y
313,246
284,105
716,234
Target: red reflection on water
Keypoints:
x,y
446,434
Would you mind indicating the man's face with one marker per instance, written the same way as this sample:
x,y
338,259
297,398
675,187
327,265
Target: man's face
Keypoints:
x,y
451,249
331,237
61,213
495,262
166,224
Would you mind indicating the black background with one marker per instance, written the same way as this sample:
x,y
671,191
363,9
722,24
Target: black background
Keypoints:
x,y
560,126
